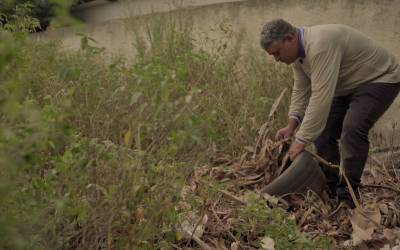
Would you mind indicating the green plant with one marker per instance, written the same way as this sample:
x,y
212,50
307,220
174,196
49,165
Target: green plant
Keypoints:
x,y
257,220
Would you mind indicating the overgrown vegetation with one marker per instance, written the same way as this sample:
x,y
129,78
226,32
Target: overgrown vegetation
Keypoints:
x,y
94,155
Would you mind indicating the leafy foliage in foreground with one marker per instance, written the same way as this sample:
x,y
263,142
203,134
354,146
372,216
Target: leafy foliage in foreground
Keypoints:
x,y
44,12
94,154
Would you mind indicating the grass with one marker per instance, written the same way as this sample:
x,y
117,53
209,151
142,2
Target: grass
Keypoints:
x,y
94,155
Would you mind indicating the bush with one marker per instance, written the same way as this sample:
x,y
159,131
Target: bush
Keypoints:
x,y
96,153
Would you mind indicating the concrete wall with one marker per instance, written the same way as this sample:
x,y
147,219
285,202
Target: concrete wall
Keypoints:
x,y
103,10
109,25
105,21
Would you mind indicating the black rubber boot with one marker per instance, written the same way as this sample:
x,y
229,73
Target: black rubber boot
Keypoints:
x,y
344,196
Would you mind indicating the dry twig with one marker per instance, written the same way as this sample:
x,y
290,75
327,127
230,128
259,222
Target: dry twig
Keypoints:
x,y
233,197
201,243
222,224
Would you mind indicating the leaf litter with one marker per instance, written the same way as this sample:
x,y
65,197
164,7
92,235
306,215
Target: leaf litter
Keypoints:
x,y
374,224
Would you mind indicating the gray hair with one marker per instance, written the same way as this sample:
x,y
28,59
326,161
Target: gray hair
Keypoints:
x,y
275,30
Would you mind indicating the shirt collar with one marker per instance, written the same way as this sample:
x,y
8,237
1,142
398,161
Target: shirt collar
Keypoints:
x,y
300,42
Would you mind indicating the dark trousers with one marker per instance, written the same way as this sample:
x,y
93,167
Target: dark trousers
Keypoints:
x,y
350,119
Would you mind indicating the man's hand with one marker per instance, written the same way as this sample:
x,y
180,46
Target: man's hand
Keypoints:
x,y
287,131
284,133
295,149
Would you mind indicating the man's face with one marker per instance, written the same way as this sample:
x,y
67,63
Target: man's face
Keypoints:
x,y
284,51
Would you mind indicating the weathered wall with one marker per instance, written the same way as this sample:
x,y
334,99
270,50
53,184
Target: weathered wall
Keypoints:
x,y
378,19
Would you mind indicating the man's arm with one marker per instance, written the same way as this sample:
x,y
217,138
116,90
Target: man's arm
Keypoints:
x,y
325,66
300,94
300,97
298,102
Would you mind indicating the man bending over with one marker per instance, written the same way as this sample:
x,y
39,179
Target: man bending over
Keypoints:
x,y
343,83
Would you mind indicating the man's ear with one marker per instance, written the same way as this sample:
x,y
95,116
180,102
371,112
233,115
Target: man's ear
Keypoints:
x,y
290,37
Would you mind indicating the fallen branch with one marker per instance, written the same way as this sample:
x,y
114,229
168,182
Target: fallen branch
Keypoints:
x,y
249,183
263,130
323,161
276,104
351,191
336,210
342,173
283,164
227,194
232,197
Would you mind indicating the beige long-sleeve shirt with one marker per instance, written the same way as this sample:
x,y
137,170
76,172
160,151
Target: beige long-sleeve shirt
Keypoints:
x,y
337,60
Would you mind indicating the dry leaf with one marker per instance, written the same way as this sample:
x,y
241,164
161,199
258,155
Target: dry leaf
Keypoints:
x,y
218,244
182,206
235,246
348,244
139,213
384,208
128,138
191,226
179,235
391,234
363,246
271,199
386,247
363,227
267,243
248,195
188,189
249,149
